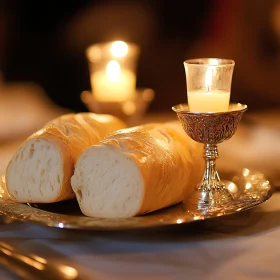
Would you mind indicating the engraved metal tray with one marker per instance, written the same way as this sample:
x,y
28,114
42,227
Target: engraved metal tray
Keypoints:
x,y
248,188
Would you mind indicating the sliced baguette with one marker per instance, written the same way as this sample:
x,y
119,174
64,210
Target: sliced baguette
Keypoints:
x,y
41,169
137,170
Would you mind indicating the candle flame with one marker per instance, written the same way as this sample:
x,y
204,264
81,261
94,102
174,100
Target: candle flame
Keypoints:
x,y
119,49
113,71
213,61
208,79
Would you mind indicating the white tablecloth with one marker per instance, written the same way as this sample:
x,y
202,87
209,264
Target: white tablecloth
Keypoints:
x,y
241,246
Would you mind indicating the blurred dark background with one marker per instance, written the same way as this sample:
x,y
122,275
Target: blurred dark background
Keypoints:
x,y
44,42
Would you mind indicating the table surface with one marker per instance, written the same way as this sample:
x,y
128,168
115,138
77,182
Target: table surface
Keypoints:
x,y
242,246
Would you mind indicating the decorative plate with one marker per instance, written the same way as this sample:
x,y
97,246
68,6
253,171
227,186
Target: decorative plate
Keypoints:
x,y
248,189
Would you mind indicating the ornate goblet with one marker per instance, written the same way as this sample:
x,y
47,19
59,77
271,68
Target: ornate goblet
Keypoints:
x,y
210,129
208,118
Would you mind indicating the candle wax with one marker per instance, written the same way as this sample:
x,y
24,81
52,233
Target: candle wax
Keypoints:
x,y
108,90
208,101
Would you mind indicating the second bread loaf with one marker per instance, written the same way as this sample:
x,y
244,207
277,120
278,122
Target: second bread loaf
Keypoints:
x,y
137,170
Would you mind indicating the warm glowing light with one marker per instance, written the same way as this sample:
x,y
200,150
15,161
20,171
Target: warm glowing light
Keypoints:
x,y
232,188
248,186
179,221
6,252
113,71
208,79
39,259
119,49
31,262
69,272
265,184
61,225
129,108
6,246
113,76
245,172
213,61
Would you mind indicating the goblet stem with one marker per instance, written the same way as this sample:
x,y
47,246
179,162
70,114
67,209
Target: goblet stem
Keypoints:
x,y
211,179
212,192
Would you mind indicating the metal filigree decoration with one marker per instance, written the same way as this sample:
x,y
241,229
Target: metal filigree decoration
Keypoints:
x,y
210,128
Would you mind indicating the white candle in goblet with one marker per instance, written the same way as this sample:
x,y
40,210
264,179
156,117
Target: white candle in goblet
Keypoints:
x,y
208,100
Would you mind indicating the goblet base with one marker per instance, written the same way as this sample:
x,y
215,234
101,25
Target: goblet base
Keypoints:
x,y
205,199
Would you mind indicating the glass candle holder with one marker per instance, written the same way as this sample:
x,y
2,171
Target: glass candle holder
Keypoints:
x,y
208,84
131,111
112,68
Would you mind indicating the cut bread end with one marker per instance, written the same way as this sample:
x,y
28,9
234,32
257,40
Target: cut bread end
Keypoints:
x,y
107,183
35,173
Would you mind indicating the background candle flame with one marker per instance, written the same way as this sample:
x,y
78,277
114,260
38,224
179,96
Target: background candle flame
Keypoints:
x,y
113,71
119,49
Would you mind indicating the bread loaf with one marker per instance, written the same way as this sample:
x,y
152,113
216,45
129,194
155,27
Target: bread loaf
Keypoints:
x,y
137,170
42,168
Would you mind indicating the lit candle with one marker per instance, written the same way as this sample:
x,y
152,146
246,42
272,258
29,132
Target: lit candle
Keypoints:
x,y
115,81
208,100
209,84
214,101
114,84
